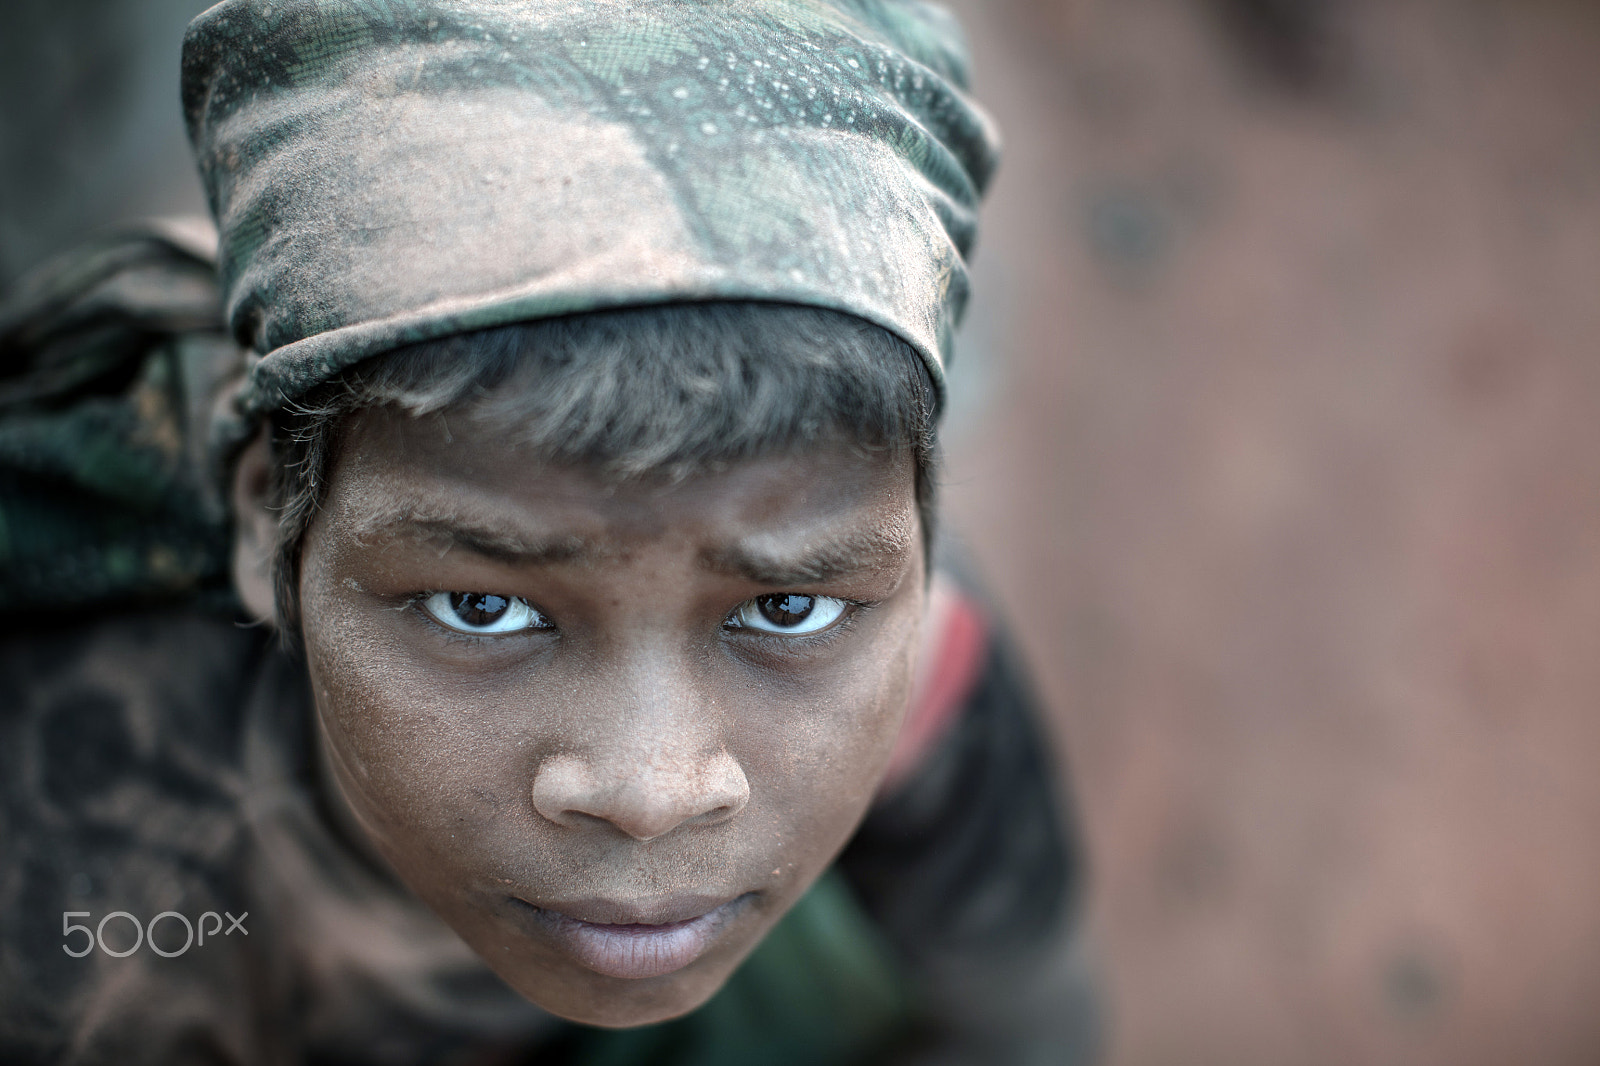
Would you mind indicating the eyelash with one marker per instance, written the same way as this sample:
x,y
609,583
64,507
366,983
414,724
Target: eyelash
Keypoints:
x,y
792,643
415,603
783,642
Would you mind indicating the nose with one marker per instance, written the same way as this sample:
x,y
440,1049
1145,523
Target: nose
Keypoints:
x,y
643,794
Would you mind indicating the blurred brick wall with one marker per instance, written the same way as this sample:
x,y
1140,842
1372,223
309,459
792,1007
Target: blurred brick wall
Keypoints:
x,y
1282,443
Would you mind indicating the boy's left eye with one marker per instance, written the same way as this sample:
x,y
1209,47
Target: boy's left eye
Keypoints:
x,y
483,612
789,613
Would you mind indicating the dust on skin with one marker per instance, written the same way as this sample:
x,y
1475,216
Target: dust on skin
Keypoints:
x,y
632,757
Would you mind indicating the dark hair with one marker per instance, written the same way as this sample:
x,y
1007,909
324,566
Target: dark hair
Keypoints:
x,y
662,391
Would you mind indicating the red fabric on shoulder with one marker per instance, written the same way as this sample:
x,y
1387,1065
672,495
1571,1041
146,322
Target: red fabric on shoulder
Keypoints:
x,y
953,651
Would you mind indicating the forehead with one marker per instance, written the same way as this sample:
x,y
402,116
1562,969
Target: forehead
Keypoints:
x,y
396,473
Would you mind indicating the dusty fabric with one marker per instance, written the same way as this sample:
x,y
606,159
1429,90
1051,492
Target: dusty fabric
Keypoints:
x,y
109,358
395,170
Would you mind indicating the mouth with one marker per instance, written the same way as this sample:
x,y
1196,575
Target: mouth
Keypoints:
x,y
635,942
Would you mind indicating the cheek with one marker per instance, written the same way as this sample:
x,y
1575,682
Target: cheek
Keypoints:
x,y
825,745
418,758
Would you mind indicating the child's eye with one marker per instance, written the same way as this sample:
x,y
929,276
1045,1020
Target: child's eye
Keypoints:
x,y
483,612
789,613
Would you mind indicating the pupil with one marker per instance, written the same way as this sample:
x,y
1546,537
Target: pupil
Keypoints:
x,y
478,609
785,610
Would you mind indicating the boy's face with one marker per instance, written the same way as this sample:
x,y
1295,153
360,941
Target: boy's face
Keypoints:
x,y
608,733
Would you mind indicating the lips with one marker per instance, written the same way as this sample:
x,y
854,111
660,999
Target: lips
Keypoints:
x,y
636,942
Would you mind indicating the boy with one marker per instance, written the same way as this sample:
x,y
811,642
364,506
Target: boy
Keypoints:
x,y
584,461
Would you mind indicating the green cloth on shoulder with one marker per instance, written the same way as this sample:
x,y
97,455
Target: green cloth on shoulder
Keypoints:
x,y
110,358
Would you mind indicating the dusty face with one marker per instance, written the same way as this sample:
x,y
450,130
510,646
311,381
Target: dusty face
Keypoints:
x,y
609,734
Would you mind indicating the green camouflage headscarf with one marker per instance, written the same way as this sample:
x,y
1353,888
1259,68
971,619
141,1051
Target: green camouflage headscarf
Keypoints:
x,y
112,357
388,171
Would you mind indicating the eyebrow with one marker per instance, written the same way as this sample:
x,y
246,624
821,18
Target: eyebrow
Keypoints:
x,y
488,540
819,560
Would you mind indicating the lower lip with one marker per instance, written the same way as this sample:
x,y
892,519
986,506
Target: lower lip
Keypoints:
x,y
636,951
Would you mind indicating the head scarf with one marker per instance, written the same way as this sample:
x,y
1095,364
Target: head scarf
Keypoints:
x,y
111,357
390,171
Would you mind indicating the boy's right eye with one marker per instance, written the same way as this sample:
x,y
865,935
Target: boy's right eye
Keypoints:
x,y
483,613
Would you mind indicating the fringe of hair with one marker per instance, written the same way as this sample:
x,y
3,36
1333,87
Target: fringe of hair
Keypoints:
x,y
660,392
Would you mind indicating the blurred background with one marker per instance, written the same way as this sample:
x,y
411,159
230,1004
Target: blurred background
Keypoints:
x,y
1277,427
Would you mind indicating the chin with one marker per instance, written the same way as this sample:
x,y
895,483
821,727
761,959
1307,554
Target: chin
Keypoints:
x,y
617,1003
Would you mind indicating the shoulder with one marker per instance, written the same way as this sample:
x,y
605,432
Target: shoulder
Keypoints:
x,y
120,781
970,861
146,699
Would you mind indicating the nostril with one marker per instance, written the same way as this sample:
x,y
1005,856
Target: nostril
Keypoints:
x,y
562,790
576,819
644,798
